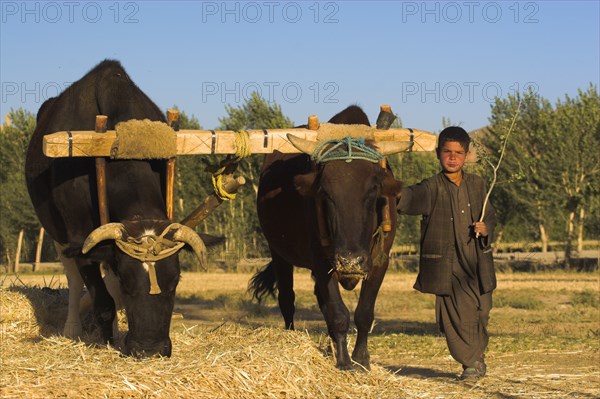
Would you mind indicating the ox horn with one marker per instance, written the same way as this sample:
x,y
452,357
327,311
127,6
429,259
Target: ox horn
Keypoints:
x,y
110,231
392,147
306,146
190,237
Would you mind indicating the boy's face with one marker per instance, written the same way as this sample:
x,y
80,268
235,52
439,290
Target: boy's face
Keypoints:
x,y
452,156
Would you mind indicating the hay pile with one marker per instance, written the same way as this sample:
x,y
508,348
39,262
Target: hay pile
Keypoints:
x,y
230,361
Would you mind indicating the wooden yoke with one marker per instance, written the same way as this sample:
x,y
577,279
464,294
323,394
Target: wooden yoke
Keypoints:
x,y
101,123
384,121
313,124
173,122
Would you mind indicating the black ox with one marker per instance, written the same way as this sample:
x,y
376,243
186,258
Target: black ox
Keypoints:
x,y
293,192
64,194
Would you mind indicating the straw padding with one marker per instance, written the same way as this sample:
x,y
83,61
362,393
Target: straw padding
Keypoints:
x,y
144,139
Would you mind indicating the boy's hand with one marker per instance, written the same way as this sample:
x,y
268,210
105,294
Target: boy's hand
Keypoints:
x,y
480,229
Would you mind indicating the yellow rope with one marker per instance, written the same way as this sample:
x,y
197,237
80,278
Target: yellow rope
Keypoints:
x,y
242,150
217,182
242,144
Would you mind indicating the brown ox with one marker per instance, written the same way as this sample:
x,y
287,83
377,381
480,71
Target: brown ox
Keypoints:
x,y
349,196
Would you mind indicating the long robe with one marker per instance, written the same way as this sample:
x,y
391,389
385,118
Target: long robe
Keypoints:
x,y
455,265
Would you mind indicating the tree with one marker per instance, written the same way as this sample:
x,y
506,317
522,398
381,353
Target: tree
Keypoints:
x,y
576,155
522,193
16,211
446,122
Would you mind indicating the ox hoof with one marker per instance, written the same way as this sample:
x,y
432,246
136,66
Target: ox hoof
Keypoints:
x,y
345,367
363,365
363,361
72,330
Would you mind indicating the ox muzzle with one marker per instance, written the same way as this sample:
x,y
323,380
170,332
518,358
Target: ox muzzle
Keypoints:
x,y
351,268
141,349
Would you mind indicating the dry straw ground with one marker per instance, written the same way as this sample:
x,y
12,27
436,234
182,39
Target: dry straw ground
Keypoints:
x,y
544,344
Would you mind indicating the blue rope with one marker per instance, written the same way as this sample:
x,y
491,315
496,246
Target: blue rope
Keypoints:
x,y
346,149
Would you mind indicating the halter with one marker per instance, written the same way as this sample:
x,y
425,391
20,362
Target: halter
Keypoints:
x,y
347,149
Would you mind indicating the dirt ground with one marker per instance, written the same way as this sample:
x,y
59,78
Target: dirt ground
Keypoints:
x,y
544,344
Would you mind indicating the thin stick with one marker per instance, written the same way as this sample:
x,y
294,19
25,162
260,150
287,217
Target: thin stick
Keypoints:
x,y
495,168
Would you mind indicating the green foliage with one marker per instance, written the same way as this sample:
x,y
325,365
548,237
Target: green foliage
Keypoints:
x,y
446,122
519,194
576,124
16,211
549,177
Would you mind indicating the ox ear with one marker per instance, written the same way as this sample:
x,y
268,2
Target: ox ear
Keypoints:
x,y
390,186
306,184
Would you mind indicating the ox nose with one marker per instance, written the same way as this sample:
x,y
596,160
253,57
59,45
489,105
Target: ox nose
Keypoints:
x,y
147,349
351,263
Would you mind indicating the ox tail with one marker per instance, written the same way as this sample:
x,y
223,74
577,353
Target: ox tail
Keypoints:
x,y
263,283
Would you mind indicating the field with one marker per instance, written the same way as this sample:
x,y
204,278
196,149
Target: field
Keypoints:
x,y
544,328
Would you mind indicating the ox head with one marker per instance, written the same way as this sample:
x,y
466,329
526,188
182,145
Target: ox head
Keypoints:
x,y
349,194
148,268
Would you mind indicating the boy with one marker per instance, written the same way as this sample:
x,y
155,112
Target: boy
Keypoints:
x,y
456,261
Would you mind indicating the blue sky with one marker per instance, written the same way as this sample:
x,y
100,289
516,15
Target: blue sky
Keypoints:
x,y
428,60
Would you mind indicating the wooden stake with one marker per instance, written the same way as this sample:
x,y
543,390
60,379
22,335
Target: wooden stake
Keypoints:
x,y
385,117
101,123
18,252
313,122
38,250
211,202
386,220
173,118
173,121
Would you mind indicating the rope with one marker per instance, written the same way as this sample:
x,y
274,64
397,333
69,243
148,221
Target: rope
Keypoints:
x,y
242,150
242,145
150,249
378,246
154,287
217,182
332,150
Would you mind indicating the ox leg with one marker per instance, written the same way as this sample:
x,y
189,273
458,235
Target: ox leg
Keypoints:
x,y
72,327
365,314
113,286
336,316
284,273
104,306
114,289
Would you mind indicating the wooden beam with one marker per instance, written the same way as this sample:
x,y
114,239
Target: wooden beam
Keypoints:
x,y
190,142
